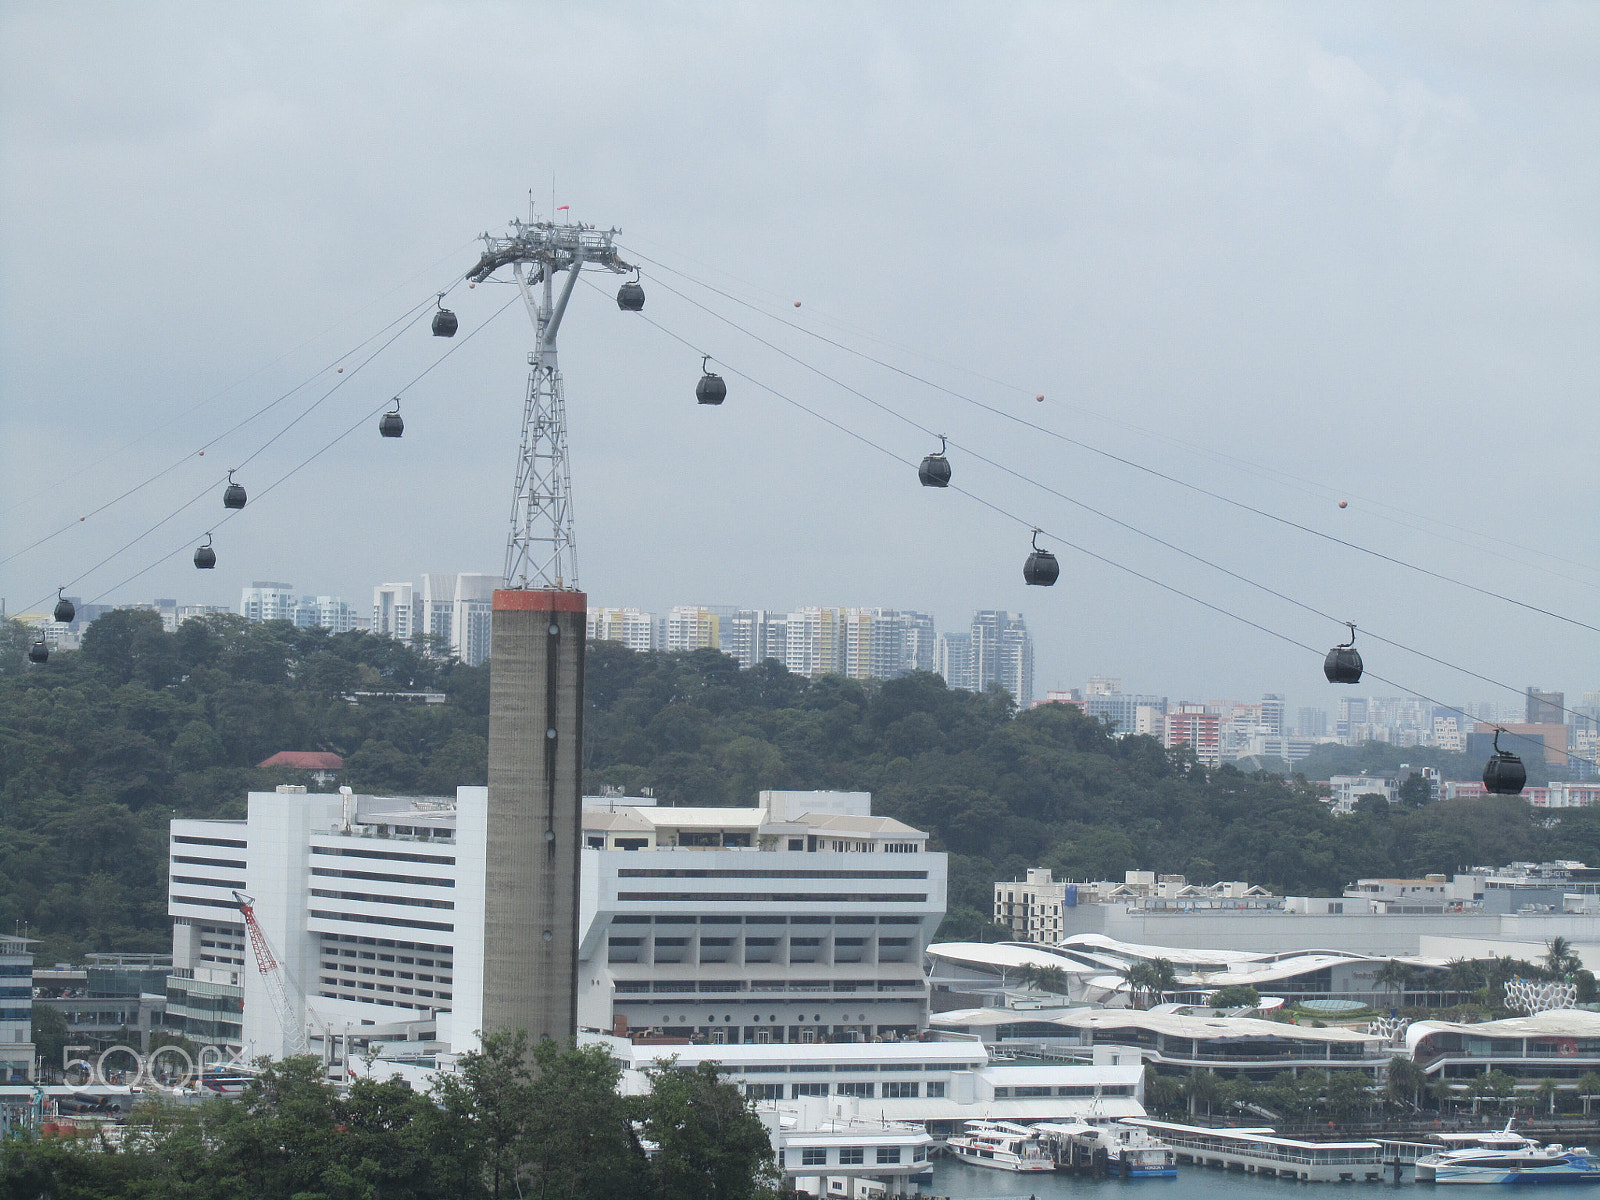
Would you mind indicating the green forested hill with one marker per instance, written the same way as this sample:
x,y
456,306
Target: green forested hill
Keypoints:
x,y
99,748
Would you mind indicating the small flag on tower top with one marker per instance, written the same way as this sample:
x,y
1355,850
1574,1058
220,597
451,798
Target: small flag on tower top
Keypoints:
x,y
563,207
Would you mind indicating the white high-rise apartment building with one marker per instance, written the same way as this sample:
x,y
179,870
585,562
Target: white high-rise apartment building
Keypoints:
x,y
799,920
472,617
396,610
267,601
754,635
325,612
996,649
689,627
811,645
634,629
439,611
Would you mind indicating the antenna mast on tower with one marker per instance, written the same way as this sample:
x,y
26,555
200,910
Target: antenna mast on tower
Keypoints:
x,y
541,551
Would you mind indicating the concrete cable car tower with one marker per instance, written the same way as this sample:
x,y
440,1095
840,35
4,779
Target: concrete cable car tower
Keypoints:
x,y
536,656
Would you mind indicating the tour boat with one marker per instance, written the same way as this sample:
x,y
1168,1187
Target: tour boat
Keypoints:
x,y
1115,1149
1000,1144
1505,1157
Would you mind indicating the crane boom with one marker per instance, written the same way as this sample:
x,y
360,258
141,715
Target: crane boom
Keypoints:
x,y
275,976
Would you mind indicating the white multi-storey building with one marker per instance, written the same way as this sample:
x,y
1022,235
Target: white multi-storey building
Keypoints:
x,y
16,1010
264,600
438,610
397,610
471,617
634,629
1032,906
799,920
689,627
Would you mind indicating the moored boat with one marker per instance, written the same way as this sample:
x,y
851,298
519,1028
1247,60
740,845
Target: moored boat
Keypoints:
x,y
1004,1145
1505,1157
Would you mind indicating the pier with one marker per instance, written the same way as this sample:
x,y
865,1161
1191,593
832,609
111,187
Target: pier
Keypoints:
x,y
1259,1151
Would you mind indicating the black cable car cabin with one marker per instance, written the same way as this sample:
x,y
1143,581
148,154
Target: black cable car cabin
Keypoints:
x,y
630,296
1343,664
710,389
233,495
935,468
1041,569
65,611
1504,774
444,321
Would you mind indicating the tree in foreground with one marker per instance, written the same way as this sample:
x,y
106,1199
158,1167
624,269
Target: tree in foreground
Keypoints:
x,y
537,1123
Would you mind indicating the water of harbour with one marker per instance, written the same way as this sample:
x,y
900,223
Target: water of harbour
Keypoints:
x,y
962,1181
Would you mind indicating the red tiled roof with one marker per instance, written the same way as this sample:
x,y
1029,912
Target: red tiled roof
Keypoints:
x,y
305,760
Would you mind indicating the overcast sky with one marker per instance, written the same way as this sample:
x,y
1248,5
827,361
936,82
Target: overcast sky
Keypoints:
x,y
1290,253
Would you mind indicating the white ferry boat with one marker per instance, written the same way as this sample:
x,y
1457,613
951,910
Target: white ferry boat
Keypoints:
x,y
1505,1157
1115,1149
1000,1144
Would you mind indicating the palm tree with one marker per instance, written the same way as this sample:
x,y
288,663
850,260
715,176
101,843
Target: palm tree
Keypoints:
x,y
1163,978
1201,1086
1560,960
1393,975
1404,1081
1137,977
1463,976
1588,1089
1545,1095
1049,978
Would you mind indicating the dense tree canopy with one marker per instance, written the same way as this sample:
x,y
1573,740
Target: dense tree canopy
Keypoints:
x,y
99,748
544,1123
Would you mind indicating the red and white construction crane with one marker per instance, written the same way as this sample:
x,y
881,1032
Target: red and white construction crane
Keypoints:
x,y
287,999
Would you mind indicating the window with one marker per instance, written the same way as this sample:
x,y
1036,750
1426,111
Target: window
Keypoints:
x,y
936,1089
814,1156
808,1089
864,1090
899,1091
1002,1093
852,1156
888,1154
1025,1092
764,1091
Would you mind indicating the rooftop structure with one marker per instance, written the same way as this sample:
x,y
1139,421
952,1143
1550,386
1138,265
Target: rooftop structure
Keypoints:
x,y
1176,1041
1563,1045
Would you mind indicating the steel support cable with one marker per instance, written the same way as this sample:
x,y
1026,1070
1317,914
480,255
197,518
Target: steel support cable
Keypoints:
x,y
305,462
1309,487
410,314
199,404
1156,538
211,486
1240,504
1111,562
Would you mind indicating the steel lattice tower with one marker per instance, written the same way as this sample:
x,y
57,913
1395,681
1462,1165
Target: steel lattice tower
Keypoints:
x,y
541,550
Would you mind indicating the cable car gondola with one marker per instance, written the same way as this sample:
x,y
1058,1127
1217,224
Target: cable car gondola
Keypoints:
x,y
391,425
710,389
205,558
39,652
233,495
1041,569
935,468
1343,664
1503,774
630,296
65,611
444,321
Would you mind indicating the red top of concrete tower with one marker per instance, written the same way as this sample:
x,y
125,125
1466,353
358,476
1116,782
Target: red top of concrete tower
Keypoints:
x,y
528,600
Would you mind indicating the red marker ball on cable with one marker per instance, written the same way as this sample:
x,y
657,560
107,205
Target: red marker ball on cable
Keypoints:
x,y
1344,504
